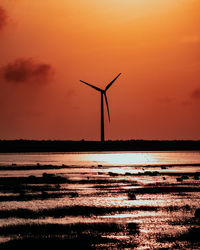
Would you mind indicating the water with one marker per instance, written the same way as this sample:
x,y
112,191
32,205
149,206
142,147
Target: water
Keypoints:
x,y
104,158
97,189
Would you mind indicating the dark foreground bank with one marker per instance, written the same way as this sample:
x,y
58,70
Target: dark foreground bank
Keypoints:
x,y
9,146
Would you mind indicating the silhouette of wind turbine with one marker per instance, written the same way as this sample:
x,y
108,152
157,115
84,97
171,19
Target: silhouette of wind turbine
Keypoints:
x,y
103,95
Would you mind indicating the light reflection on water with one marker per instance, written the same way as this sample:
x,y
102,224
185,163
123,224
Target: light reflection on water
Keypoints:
x,y
104,158
130,216
155,213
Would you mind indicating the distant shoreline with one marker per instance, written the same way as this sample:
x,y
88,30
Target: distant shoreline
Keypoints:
x,y
28,146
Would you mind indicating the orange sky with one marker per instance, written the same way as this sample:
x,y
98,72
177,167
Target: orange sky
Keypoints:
x,y
47,46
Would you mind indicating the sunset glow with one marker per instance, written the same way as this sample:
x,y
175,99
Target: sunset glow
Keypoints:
x,y
48,46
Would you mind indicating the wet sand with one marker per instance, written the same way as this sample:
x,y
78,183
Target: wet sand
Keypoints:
x,y
100,207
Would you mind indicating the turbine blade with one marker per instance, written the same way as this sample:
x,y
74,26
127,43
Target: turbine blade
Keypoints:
x,y
108,86
107,106
92,86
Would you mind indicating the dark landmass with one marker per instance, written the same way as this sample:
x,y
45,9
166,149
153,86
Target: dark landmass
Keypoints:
x,y
16,146
72,236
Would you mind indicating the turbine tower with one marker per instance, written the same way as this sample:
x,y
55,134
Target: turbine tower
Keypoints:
x,y
103,95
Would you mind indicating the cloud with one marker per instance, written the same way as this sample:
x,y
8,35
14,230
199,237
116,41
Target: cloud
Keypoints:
x,y
196,94
3,18
26,71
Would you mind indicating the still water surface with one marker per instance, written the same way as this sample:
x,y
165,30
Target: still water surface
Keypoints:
x,y
104,158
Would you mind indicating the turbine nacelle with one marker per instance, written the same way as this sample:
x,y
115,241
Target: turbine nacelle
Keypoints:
x,y
103,91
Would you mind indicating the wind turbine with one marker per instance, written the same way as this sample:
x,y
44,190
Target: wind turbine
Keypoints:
x,y
103,95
